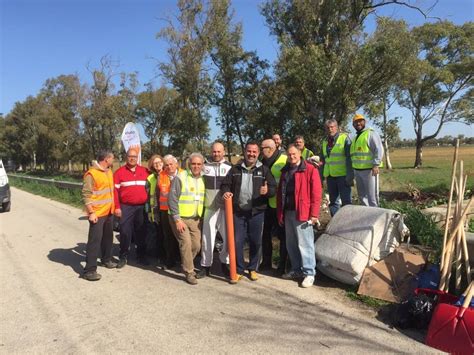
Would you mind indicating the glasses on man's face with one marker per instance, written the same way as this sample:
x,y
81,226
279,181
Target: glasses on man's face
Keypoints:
x,y
132,156
262,148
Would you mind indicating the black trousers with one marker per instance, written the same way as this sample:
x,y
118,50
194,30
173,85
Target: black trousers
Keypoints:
x,y
170,243
272,228
132,226
99,242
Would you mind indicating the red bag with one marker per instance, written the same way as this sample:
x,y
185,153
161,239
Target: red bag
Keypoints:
x,y
452,328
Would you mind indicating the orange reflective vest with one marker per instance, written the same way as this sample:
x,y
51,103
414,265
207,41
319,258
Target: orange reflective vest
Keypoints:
x,y
102,192
164,185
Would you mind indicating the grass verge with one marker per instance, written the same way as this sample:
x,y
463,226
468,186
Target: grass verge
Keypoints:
x,y
69,196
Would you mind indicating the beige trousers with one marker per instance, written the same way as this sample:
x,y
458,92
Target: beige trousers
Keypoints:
x,y
189,242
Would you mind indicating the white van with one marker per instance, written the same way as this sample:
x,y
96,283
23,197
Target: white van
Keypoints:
x,y
4,189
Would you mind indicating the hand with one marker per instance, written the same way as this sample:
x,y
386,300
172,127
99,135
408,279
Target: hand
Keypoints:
x,y
227,195
93,218
118,213
314,221
375,171
180,226
264,188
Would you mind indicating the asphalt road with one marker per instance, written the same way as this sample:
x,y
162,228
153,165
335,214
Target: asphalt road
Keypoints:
x,y
46,308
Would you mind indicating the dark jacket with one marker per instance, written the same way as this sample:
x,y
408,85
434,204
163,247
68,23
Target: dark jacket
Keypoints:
x,y
307,192
260,174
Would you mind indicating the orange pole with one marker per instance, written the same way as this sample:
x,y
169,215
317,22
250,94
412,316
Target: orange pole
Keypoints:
x,y
229,221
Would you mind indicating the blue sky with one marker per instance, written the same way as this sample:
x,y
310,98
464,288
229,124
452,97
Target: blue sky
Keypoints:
x,y
42,39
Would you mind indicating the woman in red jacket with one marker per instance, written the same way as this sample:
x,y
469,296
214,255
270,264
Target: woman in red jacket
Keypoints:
x,y
298,201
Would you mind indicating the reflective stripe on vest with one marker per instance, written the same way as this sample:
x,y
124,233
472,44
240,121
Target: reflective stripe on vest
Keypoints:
x,y
102,192
192,195
276,172
361,156
335,163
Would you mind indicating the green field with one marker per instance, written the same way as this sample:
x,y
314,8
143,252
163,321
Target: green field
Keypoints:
x,y
435,175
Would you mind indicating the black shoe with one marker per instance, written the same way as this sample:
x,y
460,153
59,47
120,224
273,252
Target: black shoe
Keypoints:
x,y
225,269
91,276
205,271
109,264
143,261
121,263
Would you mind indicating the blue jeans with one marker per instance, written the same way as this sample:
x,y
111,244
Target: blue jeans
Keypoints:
x,y
337,187
300,244
248,227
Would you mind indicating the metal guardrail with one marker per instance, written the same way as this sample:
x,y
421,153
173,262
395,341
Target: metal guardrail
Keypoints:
x,y
60,184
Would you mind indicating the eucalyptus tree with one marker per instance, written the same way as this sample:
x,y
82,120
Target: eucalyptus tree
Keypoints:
x,y
184,70
438,85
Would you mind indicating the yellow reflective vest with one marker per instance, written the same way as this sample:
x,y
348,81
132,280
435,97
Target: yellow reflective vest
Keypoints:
x,y
153,181
192,195
335,162
361,156
102,192
276,172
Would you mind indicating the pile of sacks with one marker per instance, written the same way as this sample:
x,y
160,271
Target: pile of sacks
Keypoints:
x,y
357,237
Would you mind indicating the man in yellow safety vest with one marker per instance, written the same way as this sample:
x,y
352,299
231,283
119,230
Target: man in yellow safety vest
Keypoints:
x,y
186,205
337,166
300,144
366,156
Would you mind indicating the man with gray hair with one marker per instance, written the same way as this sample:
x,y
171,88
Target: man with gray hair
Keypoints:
x,y
186,205
337,166
170,171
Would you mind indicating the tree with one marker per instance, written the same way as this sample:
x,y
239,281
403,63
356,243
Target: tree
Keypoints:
x,y
439,81
101,121
154,112
239,75
184,71
328,65
378,110
59,120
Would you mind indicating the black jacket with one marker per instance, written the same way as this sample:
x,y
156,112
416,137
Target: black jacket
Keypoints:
x,y
260,174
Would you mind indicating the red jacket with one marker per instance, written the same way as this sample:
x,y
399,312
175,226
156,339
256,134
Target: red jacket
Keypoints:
x,y
307,192
130,186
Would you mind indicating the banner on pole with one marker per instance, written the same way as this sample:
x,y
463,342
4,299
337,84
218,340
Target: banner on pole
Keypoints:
x,y
131,139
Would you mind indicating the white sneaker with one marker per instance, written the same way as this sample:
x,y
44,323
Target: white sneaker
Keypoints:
x,y
308,281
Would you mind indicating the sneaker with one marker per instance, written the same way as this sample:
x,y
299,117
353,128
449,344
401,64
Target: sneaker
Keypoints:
x,y
109,264
225,269
121,263
239,277
308,281
191,279
253,275
91,276
205,271
292,275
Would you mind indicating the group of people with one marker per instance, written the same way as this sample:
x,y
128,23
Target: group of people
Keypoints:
x,y
274,191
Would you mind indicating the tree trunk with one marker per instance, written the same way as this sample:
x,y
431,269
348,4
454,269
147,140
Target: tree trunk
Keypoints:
x,y
418,154
388,163
34,161
69,166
